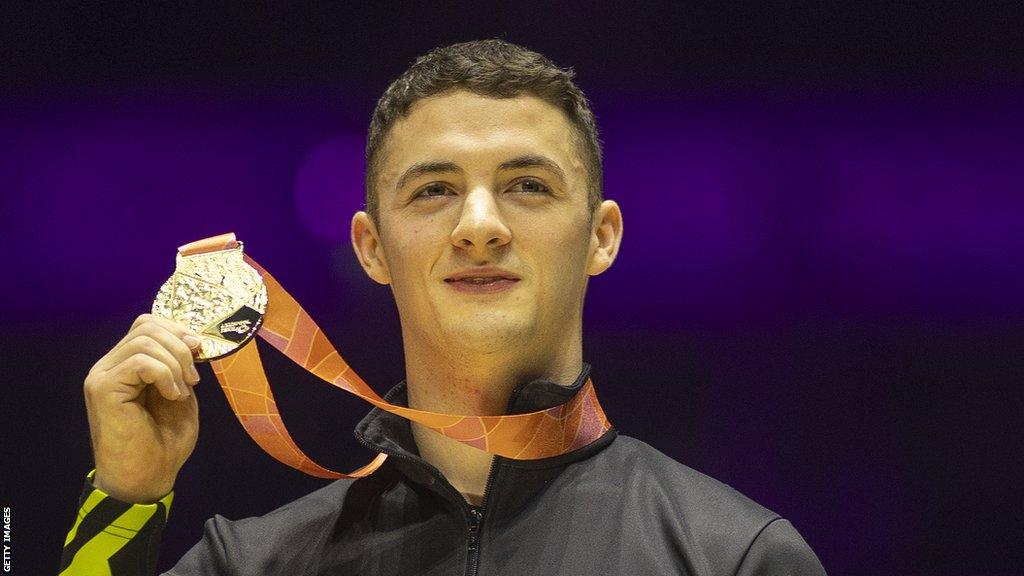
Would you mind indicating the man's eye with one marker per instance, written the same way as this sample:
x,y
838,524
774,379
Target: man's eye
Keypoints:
x,y
432,191
530,186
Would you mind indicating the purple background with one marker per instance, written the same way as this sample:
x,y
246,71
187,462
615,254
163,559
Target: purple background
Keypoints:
x,y
818,298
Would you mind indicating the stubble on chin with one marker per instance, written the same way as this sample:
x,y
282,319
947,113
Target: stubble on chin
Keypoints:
x,y
488,334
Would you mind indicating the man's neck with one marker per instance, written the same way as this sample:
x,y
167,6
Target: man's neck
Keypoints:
x,y
476,385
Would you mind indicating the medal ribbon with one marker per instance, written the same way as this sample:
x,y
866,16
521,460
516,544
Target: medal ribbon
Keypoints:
x,y
287,327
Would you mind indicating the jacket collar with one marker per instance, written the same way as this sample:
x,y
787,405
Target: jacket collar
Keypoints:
x,y
392,434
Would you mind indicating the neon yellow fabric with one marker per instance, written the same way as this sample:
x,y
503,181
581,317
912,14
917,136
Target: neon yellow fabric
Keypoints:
x,y
92,556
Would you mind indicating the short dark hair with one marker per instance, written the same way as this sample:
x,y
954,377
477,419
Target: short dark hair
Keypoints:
x,y
493,68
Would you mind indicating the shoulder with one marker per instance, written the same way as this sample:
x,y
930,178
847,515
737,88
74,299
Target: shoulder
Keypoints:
x,y
716,522
301,521
694,495
317,504
779,549
288,536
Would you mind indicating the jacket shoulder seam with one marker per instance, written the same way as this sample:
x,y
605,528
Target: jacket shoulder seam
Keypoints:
x,y
751,543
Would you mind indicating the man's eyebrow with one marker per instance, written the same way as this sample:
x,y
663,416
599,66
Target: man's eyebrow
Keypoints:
x,y
423,168
533,161
446,166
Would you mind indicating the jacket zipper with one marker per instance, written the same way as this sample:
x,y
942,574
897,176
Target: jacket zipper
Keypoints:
x,y
475,518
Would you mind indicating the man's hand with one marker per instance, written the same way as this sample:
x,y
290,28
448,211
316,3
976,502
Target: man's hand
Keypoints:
x,y
143,416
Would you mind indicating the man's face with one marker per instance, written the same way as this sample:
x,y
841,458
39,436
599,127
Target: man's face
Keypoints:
x,y
484,229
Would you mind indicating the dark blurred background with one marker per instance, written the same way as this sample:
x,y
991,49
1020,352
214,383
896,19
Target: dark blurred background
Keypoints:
x,y
818,299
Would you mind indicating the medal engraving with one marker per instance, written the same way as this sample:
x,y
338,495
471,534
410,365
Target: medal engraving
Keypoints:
x,y
218,296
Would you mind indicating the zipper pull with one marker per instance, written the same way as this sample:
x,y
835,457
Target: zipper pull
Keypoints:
x,y
475,516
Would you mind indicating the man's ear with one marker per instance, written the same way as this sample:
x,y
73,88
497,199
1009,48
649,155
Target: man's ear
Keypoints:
x,y
368,249
605,237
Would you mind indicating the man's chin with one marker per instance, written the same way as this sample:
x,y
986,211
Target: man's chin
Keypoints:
x,y
489,333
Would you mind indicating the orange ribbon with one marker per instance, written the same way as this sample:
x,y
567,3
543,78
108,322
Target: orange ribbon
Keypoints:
x,y
287,327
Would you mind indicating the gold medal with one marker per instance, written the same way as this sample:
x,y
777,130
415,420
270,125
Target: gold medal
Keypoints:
x,y
218,296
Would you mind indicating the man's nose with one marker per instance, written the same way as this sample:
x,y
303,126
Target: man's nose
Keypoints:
x,y
480,226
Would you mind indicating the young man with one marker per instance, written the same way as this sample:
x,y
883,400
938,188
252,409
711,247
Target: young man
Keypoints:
x,y
485,216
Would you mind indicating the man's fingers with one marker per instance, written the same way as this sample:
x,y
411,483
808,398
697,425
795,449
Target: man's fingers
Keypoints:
x,y
177,339
178,347
149,346
144,368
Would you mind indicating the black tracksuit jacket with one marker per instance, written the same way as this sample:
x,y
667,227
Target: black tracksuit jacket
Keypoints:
x,y
617,506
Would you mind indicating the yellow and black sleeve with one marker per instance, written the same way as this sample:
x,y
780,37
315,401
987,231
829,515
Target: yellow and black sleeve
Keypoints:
x,y
114,538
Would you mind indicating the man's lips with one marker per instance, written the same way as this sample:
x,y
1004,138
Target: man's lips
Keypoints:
x,y
480,275
483,280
